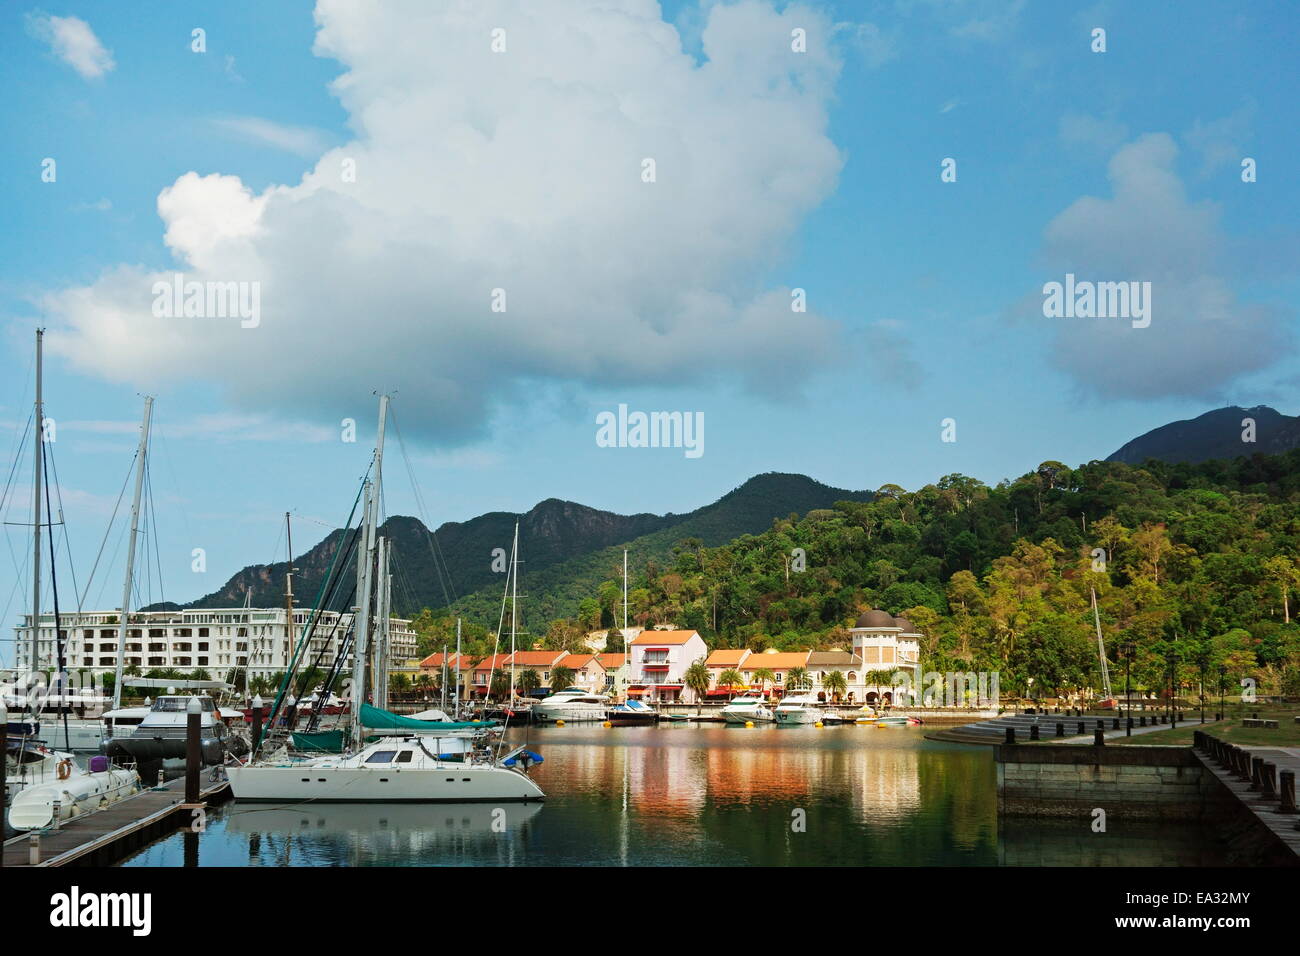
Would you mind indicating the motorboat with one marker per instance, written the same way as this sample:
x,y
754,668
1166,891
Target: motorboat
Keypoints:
x,y
898,720
86,735
60,787
406,769
633,712
161,735
573,703
800,707
748,708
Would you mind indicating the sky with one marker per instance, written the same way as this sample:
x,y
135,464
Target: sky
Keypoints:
x,y
514,216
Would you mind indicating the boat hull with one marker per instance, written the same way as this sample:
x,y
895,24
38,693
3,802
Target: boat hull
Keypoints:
x,y
447,784
749,716
800,716
568,713
80,793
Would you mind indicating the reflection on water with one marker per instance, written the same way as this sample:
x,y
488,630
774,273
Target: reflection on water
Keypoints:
x,y
693,795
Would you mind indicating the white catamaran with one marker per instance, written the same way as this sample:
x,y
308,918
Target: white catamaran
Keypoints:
x,y
411,760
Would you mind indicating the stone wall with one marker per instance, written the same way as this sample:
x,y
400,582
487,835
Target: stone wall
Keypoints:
x,y
1137,783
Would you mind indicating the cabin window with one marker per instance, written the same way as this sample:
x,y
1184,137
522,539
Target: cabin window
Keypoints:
x,y
381,756
405,756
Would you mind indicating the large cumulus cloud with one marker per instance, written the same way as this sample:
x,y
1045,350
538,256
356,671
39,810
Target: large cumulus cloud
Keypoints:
x,y
519,170
1202,336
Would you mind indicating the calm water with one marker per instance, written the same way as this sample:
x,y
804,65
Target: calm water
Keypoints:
x,y
700,794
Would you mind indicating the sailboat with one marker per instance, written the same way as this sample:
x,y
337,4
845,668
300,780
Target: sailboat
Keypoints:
x,y
395,766
1108,702
43,784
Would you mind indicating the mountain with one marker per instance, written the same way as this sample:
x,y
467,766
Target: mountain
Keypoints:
x,y
563,545
1216,434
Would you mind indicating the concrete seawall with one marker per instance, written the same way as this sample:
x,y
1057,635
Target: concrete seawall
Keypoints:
x,y
1166,783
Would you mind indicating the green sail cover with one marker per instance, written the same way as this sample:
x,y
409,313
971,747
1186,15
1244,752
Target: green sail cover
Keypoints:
x,y
377,719
327,741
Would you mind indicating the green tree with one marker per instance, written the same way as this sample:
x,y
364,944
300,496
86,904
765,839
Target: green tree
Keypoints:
x,y
697,679
561,678
763,675
836,685
529,681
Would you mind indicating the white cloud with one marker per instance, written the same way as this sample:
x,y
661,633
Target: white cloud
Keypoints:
x,y
73,41
1201,337
519,170
1222,142
299,140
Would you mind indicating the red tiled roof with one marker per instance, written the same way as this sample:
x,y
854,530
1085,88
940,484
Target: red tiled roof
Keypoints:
x,y
663,637
726,657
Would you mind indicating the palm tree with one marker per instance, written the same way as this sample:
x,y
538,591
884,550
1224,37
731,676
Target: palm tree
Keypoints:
x,y
798,679
398,683
561,678
697,679
498,683
884,677
763,675
529,681
835,684
730,678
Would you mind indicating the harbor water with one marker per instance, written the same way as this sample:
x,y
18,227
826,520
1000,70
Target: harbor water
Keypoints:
x,y
698,794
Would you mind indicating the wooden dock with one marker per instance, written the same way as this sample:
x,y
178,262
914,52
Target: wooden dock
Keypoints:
x,y
1282,825
106,836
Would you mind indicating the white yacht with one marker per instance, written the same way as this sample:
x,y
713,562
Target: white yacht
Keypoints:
x,y
390,770
748,707
799,707
572,703
53,777
88,735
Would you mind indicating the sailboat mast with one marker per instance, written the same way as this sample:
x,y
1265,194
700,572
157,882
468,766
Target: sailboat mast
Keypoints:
x,y
33,662
458,671
141,454
288,596
361,617
1101,646
627,651
514,610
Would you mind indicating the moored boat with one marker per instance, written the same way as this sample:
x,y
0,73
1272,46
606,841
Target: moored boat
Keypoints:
x,y
572,703
748,708
800,707
633,712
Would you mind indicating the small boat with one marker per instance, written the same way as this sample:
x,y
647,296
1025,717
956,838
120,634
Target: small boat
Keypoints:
x,y
748,708
895,721
633,712
799,707
573,703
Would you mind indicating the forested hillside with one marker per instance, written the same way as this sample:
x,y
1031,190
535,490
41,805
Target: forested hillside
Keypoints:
x,y
1195,563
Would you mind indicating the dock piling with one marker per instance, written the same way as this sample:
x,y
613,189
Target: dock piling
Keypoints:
x,y
193,717
1286,789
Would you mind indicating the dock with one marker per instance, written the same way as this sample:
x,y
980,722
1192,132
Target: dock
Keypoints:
x,y
106,836
1264,805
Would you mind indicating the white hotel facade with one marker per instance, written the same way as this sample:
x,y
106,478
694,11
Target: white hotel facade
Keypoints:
x,y
215,639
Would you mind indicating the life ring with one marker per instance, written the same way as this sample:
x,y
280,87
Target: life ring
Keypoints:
x,y
64,769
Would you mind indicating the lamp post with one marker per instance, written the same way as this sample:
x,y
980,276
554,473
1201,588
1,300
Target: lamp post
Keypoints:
x,y
1223,674
1173,688
1128,649
1203,664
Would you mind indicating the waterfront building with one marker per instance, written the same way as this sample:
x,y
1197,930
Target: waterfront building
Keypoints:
x,y
217,640
588,672
724,659
659,662
543,662
616,670
780,663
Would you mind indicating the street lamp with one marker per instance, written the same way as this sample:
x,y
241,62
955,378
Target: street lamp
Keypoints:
x,y
1128,649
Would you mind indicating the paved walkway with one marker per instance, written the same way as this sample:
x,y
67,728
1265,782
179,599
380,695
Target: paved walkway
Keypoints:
x,y
994,731
1283,825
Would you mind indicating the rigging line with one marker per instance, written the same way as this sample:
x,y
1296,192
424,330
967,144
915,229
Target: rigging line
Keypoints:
x,y
13,468
81,601
153,526
176,486
67,541
435,550
60,659
20,568
113,563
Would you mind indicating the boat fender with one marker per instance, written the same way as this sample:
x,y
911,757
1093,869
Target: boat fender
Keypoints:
x,y
65,769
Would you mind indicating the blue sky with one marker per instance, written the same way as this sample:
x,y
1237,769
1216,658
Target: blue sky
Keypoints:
x,y
776,171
